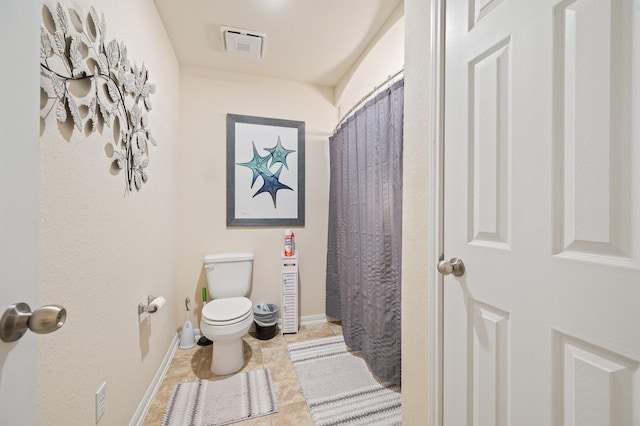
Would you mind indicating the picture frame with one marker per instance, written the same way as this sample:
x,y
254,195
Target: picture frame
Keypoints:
x,y
265,171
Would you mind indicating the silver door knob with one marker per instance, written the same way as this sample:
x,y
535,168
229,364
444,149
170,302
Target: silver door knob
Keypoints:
x,y
18,318
454,267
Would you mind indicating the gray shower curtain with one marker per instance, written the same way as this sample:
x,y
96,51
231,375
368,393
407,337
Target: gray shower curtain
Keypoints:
x,y
365,230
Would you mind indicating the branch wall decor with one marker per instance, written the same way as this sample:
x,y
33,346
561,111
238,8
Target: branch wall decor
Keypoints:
x,y
93,84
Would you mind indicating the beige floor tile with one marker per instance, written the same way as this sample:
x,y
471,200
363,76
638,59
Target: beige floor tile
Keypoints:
x,y
293,415
288,391
276,354
301,336
195,363
179,376
285,382
281,370
319,331
258,421
336,327
252,356
182,362
154,417
278,340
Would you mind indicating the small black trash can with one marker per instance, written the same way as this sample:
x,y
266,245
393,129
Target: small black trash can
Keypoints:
x,y
265,316
266,333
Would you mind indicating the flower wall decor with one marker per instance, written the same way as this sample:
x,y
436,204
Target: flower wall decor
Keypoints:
x,y
93,84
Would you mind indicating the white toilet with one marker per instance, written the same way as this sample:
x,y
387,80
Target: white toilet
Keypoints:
x,y
227,317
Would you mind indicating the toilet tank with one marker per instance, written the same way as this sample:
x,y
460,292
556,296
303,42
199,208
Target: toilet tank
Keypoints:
x,y
228,274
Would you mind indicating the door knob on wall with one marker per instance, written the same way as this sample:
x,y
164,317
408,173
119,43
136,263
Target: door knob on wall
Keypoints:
x,y
18,318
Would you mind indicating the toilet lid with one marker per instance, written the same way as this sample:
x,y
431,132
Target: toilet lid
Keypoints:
x,y
226,309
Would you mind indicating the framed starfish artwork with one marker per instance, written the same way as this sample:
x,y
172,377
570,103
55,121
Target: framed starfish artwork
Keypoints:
x,y
265,171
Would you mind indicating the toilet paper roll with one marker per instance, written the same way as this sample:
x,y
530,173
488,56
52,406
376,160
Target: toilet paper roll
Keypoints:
x,y
158,303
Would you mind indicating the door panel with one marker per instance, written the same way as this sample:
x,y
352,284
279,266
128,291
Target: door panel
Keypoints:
x,y
489,151
542,116
595,386
595,166
490,367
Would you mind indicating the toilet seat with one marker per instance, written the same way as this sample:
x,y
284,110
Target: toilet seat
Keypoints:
x,y
227,311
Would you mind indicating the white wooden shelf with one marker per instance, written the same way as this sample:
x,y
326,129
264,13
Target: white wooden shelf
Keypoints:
x,y
289,269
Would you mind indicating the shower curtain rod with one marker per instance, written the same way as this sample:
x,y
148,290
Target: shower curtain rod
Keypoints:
x,y
365,97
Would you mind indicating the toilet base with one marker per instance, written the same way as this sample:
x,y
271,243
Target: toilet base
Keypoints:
x,y
227,357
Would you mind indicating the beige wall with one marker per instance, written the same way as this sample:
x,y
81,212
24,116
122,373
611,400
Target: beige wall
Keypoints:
x,y
206,97
101,251
383,57
416,258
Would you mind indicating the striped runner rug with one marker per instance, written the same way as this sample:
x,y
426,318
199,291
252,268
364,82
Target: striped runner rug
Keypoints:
x,y
339,387
219,402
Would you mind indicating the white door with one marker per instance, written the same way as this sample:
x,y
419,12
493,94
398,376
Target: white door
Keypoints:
x,y
19,113
542,204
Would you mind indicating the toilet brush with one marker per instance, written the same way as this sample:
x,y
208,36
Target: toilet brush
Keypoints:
x,y
188,337
203,341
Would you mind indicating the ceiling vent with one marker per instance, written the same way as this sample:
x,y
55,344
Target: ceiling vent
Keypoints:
x,y
244,43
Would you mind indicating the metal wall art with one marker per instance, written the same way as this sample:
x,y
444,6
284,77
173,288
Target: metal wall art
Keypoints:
x,y
92,84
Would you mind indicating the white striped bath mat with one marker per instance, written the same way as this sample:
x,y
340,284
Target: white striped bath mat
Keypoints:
x,y
339,387
219,402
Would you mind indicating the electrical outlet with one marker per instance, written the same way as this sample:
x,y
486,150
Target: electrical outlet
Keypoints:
x,y
101,401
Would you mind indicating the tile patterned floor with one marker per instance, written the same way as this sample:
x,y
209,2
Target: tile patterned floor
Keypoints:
x,y
193,364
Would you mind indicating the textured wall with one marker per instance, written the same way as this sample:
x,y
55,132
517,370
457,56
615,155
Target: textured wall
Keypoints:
x,y
383,57
206,97
416,258
103,251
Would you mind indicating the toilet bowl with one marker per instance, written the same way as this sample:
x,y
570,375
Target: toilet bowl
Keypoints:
x,y
224,322
227,317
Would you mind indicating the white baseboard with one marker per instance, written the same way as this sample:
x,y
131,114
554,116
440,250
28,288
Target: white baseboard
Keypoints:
x,y
147,399
313,319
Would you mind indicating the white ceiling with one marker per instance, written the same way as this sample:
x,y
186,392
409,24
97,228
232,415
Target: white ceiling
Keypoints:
x,y
312,41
